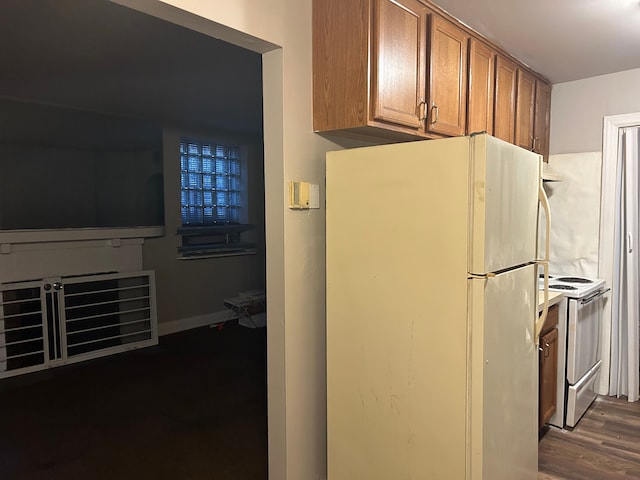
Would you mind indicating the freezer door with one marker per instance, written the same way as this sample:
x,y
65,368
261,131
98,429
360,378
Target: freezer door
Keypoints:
x,y
504,210
504,376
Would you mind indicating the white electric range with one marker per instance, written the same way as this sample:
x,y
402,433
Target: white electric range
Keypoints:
x,y
573,286
585,303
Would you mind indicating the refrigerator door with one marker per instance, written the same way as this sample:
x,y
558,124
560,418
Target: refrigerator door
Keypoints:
x,y
396,329
504,199
504,376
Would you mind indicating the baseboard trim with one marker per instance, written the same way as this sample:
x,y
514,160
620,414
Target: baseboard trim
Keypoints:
x,y
180,325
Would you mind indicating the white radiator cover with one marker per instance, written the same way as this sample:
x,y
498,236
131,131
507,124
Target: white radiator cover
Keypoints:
x,y
60,320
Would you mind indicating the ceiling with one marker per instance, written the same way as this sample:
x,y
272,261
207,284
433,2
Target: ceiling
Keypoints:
x,y
99,56
562,40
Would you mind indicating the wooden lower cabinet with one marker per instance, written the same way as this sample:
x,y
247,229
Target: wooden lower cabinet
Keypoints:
x,y
548,362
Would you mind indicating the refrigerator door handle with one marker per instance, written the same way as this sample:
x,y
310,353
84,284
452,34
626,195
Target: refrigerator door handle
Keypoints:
x,y
482,276
544,201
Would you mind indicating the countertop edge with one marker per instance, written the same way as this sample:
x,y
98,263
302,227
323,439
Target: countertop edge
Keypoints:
x,y
554,297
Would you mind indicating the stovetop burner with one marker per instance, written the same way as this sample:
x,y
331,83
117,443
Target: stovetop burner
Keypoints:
x,y
573,286
574,280
563,287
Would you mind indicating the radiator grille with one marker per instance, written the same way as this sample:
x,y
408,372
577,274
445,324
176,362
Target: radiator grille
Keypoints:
x,y
52,322
21,329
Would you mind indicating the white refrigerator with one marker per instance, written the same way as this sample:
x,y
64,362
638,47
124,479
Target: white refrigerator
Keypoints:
x,y
432,359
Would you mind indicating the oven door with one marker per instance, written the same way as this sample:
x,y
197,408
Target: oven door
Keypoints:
x,y
583,335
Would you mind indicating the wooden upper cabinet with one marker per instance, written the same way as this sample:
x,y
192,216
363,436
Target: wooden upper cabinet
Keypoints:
x,y
525,95
447,78
340,64
481,85
370,68
505,100
402,70
399,54
542,118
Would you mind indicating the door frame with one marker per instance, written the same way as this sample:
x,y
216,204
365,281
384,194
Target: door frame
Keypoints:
x,y
612,125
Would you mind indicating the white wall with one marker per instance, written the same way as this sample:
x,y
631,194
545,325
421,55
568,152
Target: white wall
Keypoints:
x,y
192,292
577,109
295,239
574,204
60,167
577,112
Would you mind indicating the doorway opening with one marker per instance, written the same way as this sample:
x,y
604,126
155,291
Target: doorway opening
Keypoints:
x,y
169,87
618,256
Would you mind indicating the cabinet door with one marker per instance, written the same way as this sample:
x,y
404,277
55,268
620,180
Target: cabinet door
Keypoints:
x,y
399,56
505,100
447,78
481,85
548,371
524,109
542,118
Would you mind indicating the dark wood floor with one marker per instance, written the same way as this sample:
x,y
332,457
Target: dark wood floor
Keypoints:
x,y
193,407
605,445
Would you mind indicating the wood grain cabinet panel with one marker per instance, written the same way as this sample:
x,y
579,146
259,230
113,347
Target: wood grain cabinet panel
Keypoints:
x,y
370,68
548,366
525,94
399,70
548,356
447,78
481,87
340,64
505,100
542,118
399,55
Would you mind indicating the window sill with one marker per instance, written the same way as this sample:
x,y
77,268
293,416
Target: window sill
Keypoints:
x,y
214,241
203,255
199,230
78,234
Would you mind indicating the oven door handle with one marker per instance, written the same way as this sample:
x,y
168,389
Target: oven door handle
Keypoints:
x,y
593,296
544,202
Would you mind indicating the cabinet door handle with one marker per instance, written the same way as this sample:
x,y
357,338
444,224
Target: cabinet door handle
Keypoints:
x,y
434,109
422,111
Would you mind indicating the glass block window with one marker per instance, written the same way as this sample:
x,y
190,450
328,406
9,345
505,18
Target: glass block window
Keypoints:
x,y
210,183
